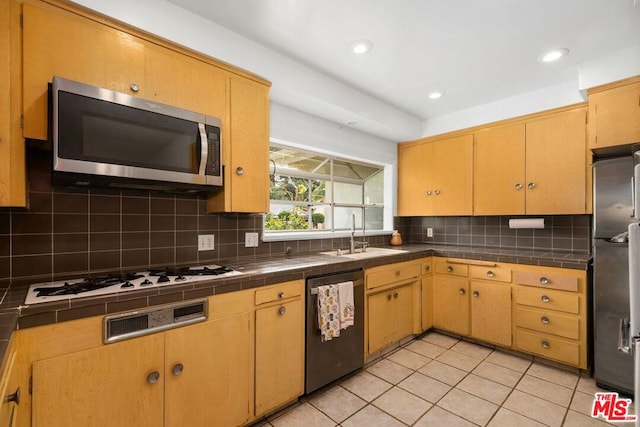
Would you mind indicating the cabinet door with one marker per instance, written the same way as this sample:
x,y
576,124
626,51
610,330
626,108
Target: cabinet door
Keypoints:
x,y
499,171
451,304
10,390
279,355
380,321
452,166
413,165
179,80
427,302
491,312
212,386
556,164
103,386
614,116
60,43
245,151
402,311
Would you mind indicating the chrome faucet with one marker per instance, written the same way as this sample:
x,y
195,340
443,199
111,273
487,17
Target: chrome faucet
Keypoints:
x,y
354,242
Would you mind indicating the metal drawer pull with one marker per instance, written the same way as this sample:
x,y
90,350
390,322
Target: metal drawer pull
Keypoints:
x,y
476,294
449,269
395,295
389,297
15,397
153,377
544,344
134,87
427,267
544,281
462,291
544,298
280,295
397,273
282,311
490,274
177,369
544,320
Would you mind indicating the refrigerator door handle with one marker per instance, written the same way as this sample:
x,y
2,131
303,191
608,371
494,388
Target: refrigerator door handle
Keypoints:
x,y
636,191
636,377
623,337
634,279
633,195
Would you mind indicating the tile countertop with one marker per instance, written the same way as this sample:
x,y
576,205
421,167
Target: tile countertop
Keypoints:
x,y
258,272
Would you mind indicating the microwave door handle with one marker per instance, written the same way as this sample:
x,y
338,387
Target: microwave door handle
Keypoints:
x,y
204,149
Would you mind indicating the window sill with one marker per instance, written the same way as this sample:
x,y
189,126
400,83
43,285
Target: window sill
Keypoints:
x,y
313,235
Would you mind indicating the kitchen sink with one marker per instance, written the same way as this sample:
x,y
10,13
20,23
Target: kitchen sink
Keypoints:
x,y
370,253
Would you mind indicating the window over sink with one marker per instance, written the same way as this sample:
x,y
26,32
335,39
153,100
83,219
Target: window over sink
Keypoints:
x,y
317,194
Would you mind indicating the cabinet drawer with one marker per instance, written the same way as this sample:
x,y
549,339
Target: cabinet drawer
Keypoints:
x,y
392,273
443,267
489,273
550,347
279,292
550,322
426,267
545,280
548,299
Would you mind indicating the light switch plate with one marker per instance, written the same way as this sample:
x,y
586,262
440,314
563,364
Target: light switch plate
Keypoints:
x,y
429,232
206,242
250,240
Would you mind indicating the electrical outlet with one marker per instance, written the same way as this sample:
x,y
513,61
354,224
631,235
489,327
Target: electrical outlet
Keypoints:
x,y
429,232
206,242
250,240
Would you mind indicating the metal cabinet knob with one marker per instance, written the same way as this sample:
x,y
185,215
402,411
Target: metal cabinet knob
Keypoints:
x,y
153,377
490,274
544,281
280,295
397,273
450,269
427,268
282,311
134,87
545,344
395,295
15,397
531,185
476,294
239,170
437,192
389,297
544,298
518,186
428,192
177,369
461,291
544,320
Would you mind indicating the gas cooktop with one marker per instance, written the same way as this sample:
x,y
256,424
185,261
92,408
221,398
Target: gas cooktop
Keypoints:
x,y
115,283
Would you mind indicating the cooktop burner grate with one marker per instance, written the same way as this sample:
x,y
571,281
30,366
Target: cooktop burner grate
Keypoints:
x,y
85,285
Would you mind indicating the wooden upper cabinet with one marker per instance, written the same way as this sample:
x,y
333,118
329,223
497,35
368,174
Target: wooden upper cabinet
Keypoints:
x,y
59,43
556,163
412,178
12,152
499,170
436,178
194,85
245,150
614,115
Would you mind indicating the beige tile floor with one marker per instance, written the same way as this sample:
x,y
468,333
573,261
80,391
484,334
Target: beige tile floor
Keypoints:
x,y
438,380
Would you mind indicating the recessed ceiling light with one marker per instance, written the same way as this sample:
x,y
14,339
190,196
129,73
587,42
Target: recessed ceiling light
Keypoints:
x,y
553,55
435,95
361,46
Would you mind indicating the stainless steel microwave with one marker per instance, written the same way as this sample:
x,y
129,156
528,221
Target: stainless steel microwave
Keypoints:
x,y
106,138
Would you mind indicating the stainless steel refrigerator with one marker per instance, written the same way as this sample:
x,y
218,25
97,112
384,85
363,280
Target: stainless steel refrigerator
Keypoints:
x,y
612,213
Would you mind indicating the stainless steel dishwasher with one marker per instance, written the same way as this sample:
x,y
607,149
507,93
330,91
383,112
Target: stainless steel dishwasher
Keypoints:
x,y
327,361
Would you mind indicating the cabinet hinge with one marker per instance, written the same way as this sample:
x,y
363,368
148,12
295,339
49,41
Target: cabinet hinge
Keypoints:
x,y
21,121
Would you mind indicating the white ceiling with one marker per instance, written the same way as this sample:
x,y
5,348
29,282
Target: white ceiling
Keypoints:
x,y
476,51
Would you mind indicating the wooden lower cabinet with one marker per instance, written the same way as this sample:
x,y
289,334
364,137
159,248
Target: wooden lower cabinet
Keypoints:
x,y
279,351
198,375
11,389
491,312
451,304
390,314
